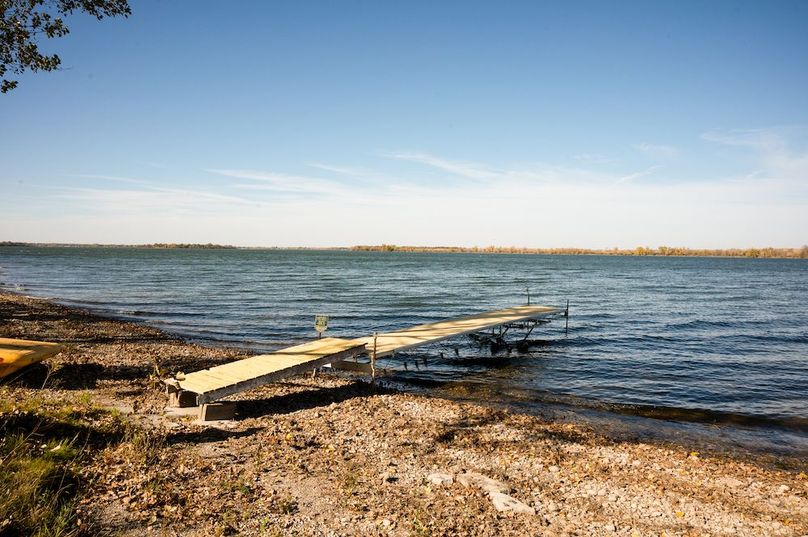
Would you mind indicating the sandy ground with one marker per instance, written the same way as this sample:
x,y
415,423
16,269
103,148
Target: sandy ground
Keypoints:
x,y
337,456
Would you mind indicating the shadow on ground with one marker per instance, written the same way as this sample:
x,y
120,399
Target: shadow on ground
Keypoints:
x,y
208,435
306,399
87,375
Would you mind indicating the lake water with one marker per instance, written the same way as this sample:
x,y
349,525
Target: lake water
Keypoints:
x,y
714,340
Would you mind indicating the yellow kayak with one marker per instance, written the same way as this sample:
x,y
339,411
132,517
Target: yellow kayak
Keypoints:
x,y
18,353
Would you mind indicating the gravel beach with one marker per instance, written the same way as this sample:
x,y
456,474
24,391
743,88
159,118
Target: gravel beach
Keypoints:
x,y
334,455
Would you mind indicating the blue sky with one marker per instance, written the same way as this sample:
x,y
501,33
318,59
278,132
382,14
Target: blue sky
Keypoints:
x,y
590,124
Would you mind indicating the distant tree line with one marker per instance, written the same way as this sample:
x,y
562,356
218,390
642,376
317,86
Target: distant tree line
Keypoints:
x,y
195,246
165,245
663,251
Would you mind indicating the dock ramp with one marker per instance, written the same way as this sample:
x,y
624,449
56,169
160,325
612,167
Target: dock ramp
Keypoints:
x,y
227,379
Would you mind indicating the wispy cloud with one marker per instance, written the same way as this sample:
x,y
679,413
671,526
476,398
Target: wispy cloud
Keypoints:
x,y
469,170
535,174
659,151
280,182
774,148
163,200
361,176
636,175
758,138
594,158
142,195
348,171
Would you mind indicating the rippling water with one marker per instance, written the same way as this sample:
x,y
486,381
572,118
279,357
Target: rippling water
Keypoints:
x,y
681,338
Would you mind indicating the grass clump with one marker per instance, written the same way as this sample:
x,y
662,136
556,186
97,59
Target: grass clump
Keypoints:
x,y
44,445
38,484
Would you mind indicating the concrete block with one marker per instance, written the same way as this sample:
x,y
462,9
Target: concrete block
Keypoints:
x,y
217,411
180,412
181,398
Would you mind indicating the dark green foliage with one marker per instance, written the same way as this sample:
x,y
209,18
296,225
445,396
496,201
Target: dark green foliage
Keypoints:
x,y
24,22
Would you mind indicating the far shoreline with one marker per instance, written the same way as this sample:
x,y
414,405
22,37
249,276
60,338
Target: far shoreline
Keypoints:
x,y
767,252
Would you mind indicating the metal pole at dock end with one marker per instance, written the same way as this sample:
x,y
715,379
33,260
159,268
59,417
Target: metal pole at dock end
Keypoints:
x,y
567,320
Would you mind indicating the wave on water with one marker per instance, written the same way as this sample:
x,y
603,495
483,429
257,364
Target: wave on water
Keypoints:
x,y
713,417
483,391
701,324
157,315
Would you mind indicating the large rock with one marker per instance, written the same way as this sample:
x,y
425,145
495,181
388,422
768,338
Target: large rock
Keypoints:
x,y
496,491
505,503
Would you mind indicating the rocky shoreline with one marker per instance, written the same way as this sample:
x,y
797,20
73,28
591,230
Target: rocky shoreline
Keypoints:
x,y
336,456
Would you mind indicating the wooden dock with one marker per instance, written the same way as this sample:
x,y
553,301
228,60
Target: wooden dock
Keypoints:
x,y
391,342
208,385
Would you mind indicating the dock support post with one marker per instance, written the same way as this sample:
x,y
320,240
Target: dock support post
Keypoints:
x,y
178,398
